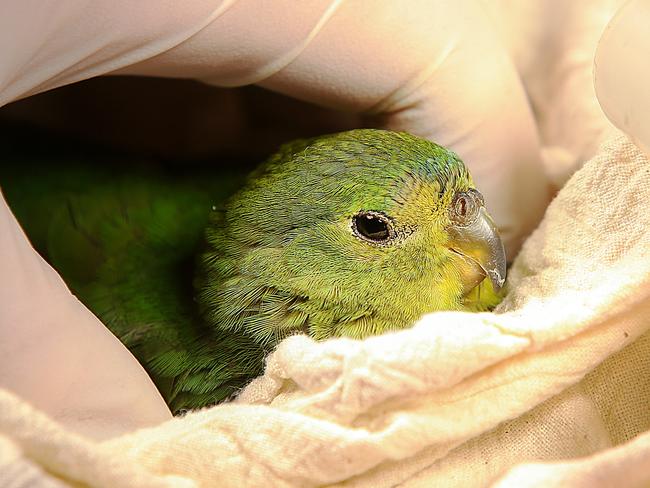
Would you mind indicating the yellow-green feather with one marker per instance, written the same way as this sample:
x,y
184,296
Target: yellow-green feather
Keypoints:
x,y
201,287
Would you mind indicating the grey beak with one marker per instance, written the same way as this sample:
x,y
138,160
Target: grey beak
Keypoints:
x,y
480,242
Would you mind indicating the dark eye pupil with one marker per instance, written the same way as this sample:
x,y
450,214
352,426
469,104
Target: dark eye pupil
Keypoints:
x,y
372,227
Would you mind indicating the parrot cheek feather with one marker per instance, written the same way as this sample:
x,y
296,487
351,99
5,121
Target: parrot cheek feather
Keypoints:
x,y
470,273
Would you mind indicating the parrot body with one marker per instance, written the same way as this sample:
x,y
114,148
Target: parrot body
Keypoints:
x,y
351,234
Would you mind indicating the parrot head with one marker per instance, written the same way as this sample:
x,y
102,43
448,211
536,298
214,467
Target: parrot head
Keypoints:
x,y
350,234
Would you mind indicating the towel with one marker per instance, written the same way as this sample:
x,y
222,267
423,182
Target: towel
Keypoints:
x,y
559,371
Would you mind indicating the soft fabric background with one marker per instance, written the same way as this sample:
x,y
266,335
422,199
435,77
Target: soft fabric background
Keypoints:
x,y
452,402
559,372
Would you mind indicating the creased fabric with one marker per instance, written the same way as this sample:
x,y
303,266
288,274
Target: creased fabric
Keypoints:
x,y
558,372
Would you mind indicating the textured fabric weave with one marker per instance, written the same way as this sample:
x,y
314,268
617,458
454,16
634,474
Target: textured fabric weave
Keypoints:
x,y
455,401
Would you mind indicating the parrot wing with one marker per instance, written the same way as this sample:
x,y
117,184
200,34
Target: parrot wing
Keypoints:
x,y
125,242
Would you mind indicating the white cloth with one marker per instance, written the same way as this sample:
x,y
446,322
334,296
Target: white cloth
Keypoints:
x,y
58,355
356,56
454,401
620,79
558,373
352,55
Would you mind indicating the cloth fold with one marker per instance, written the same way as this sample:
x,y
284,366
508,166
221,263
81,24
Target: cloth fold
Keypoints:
x,y
454,401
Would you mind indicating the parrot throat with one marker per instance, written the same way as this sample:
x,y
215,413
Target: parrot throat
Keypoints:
x,y
234,300
265,312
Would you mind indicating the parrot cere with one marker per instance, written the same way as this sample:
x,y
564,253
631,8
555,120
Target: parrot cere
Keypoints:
x,y
350,234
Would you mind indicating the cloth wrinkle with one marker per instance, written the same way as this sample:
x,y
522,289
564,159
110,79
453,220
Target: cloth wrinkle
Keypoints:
x,y
551,390
391,102
107,64
275,66
357,409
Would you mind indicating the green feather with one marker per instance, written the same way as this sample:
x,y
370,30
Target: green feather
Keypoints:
x,y
126,244
201,284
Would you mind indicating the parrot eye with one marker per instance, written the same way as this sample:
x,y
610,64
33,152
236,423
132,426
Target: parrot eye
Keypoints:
x,y
465,206
373,227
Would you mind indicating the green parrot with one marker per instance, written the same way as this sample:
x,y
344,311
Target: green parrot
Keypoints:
x,y
200,276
